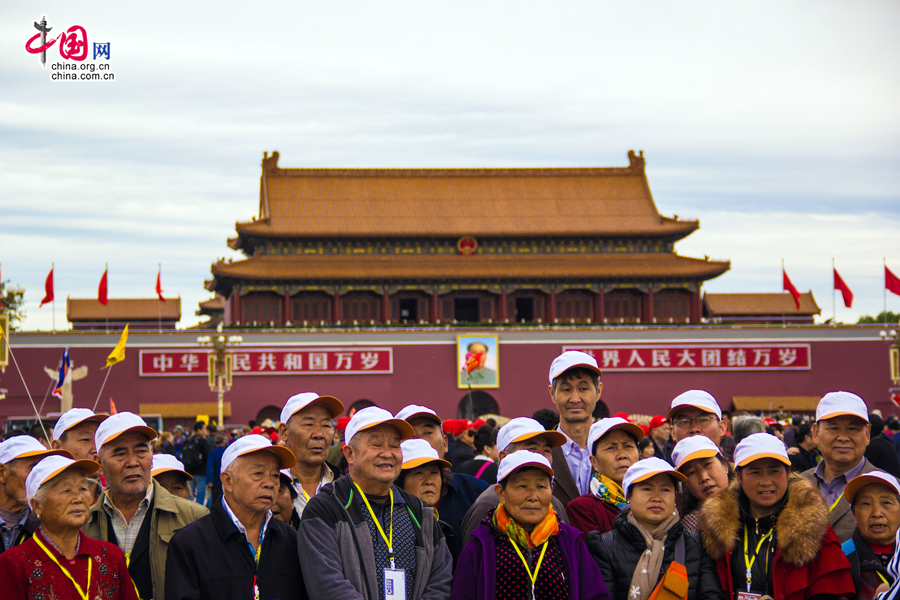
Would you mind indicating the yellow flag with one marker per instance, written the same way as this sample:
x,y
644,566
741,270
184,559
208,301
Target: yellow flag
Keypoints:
x,y
118,353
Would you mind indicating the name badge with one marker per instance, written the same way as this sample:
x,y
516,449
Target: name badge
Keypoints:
x,y
394,584
749,596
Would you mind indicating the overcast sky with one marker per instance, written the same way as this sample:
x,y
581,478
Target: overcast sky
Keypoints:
x,y
776,124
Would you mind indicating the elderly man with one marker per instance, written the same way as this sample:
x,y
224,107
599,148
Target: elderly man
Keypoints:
x,y
696,412
18,455
135,512
363,537
842,433
74,431
875,501
460,491
575,389
521,433
238,550
307,429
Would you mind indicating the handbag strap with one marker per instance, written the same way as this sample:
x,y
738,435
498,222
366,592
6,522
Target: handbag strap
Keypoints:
x,y
486,464
679,550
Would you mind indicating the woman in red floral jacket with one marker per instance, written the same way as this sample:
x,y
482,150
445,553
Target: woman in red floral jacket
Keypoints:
x,y
59,561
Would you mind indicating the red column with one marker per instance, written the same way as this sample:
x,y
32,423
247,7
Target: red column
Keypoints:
x,y
386,307
237,317
435,307
600,306
552,306
503,315
696,307
648,307
287,307
336,307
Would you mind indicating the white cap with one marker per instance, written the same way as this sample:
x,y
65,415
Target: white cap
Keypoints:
x,y
372,416
698,399
73,417
300,401
254,443
417,452
604,426
692,448
757,446
52,466
525,428
837,404
859,481
25,446
645,469
570,359
118,424
517,460
414,410
167,462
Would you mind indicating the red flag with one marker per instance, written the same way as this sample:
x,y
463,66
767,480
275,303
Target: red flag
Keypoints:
x,y
48,289
845,289
891,281
159,290
101,291
789,287
112,407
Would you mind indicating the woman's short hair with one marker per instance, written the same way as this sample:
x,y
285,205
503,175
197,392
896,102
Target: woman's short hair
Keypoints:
x,y
646,441
485,436
746,425
600,439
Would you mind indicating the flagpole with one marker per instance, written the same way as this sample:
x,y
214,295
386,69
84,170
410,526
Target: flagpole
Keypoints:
x,y
53,302
106,272
25,385
101,388
833,305
783,317
884,260
158,302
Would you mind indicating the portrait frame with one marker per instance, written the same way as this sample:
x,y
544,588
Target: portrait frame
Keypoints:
x,y
486,378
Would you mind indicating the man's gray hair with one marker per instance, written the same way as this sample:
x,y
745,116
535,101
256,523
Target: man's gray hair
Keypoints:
x,y
746,425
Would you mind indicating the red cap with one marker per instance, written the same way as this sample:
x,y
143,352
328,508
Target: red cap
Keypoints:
x,y
342,423
657,421
448,425
274,436
645,429
622,415
256,430
769,421
461,426
478,424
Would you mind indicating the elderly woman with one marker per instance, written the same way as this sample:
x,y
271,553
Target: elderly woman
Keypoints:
x,y
169,472
283,509
422,475
59,561
769,533
521,550
648,547
875,501
707,472
614,448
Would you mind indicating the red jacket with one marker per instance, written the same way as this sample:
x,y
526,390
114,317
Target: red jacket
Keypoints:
x,y
808,559
589,513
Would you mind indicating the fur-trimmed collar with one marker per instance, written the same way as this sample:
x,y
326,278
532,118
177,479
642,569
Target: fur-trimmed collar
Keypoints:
x,y
800,528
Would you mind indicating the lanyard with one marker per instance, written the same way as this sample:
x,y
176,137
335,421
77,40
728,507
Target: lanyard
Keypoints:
x,y
537,567
305,495
882,577
388,539
749,561
256,556
83,594
835,503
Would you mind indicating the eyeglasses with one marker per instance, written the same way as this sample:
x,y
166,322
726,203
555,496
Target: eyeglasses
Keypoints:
x,y
702,421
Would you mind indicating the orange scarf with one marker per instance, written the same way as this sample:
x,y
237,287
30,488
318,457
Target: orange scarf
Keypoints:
x,y
540,534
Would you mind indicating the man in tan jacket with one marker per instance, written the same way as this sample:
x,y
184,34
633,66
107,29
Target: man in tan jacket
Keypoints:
x,y
135,512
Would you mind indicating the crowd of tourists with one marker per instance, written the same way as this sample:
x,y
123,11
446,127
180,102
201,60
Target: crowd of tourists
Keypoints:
x,y
689,505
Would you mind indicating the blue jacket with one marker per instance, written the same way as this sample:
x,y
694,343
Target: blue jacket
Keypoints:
x,y
462,491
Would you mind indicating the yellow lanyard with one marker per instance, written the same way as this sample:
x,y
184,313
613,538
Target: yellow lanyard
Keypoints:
x,y
305,495
882,577
835,503
748,562
388,539
537,567
83,594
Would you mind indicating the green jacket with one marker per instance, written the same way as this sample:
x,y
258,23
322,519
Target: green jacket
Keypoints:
x,y
170,514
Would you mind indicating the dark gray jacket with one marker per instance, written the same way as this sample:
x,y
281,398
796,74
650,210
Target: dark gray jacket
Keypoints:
x,y
337,554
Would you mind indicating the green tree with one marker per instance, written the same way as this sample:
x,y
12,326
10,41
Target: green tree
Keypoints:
x,y
11,304
879,318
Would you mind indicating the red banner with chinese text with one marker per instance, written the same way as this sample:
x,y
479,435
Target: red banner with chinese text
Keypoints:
x,y
705,357
293,361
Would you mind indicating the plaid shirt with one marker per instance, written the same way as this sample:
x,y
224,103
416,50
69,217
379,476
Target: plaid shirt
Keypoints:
x,y
126,533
